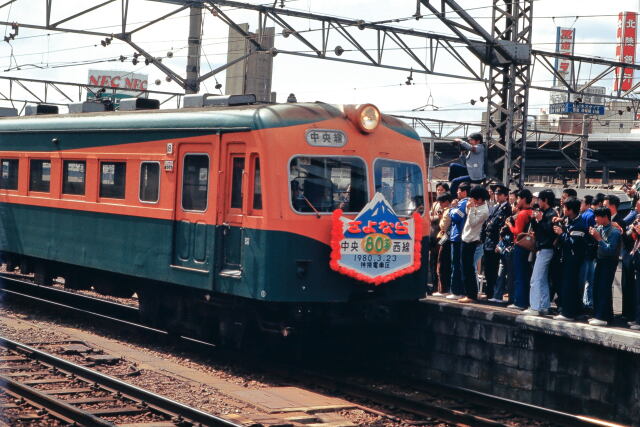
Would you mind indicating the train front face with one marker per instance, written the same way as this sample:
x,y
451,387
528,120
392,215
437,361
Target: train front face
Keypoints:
x,y
349,235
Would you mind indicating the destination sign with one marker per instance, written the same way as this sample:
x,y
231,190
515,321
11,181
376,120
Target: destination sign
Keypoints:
x,y
578,108
325,137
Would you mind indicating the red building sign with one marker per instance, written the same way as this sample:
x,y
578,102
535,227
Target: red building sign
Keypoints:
x,y
626,49
565,39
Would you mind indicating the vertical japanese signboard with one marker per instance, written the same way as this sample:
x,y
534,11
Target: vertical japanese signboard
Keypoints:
x,y
625,49
565,39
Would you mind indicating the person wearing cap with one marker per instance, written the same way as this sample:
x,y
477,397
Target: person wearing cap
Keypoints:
x,y
474,161
491,238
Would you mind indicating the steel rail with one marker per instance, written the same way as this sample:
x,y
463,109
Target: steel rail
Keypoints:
x,y
119,386
415,407
50,403
442,412
527,409
101,306
388,399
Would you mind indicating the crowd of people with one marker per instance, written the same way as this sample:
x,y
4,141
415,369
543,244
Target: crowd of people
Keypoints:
x,y
532,250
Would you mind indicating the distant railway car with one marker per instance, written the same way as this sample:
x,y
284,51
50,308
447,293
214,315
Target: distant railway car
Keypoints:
x,y
216,217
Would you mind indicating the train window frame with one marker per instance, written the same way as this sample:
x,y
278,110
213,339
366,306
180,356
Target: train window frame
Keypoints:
x,y
206,207
256,166
31,160
84,182
406,163
124,183
246,164
17,174
149,202
366,174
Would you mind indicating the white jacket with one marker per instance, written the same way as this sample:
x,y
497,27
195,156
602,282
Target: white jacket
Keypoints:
x,y
476,216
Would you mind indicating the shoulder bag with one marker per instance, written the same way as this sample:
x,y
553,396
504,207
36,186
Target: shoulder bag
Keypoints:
x,y
526,240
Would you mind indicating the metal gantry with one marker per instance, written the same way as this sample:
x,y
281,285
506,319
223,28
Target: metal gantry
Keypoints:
x,y
440,134
501,56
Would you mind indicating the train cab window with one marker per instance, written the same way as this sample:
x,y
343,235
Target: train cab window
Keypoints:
x,y
257,185
195,182
149,182
112,179
73,177
40,175
236,182
401,184
323,184
9,174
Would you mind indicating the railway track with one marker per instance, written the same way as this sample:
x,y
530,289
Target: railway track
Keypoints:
x,y
430,403
42,388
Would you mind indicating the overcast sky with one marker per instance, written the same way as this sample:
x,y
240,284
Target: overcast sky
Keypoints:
x,y
59,56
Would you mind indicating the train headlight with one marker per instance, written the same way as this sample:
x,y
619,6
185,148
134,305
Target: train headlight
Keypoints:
x,y
368,118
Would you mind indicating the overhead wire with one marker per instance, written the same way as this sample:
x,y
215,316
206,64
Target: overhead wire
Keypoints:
x,y
76,63
304,31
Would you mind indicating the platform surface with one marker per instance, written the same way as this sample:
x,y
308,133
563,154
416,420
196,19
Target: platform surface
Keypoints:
x,y
616,336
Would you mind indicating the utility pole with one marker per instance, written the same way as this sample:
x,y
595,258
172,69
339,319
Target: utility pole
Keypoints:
x,y
584,151
192,83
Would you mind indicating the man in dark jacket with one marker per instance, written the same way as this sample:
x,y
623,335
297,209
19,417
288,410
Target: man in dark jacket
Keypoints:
x,y
572,231
539,298
609,239
491,238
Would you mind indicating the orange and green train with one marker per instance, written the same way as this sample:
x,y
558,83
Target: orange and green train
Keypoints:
x,y
208,214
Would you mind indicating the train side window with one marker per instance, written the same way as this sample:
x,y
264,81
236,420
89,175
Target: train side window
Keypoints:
x,y
73,177
257,185
40,175
112,179
9,174
195,182
236,182
149,182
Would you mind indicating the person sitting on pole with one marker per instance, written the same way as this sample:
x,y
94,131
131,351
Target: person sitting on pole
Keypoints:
x,y
474,161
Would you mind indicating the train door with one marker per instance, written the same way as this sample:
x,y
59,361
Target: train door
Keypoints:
x,y
235,163
193,233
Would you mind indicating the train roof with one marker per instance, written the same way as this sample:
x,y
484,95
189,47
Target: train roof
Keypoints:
x,y
238,118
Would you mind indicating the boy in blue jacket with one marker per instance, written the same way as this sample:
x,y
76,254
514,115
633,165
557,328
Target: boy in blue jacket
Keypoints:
x,y
458,215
